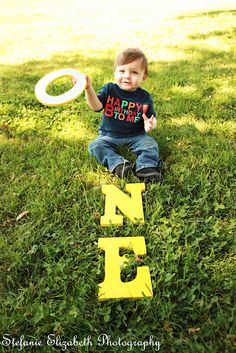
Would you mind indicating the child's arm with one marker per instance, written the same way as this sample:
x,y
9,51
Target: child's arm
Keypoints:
x,y
149,124
91,95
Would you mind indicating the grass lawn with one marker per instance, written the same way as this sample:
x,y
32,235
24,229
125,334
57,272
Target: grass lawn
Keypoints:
x,y
51,199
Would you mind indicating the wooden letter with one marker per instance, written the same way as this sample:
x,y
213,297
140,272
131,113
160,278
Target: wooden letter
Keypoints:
x,y
132,206
112,286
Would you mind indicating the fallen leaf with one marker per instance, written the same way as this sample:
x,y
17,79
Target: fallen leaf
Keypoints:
x,y
193,330
168,327
9,222
138,259
22,215
96,216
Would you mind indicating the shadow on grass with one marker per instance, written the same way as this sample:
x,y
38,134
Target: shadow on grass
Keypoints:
x,y
207,13
225,34
202,87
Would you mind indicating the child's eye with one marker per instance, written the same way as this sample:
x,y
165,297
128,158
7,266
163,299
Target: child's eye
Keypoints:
x,y
122,71
135,72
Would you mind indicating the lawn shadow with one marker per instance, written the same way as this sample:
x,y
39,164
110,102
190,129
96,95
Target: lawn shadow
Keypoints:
x,y
206,13
225,34
201,86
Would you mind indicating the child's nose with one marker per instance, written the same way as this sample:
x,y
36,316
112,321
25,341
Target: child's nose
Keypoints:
x,y
127,74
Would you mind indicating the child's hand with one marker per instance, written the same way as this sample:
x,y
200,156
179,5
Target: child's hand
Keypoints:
x,y
149,124
88,81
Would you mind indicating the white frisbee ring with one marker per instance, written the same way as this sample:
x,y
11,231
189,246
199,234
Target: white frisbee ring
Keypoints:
x,y
73,93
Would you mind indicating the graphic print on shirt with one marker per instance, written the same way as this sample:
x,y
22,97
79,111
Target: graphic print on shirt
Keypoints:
x,y
122,109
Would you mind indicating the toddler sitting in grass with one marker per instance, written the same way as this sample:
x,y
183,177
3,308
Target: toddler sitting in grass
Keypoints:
x,y
128,117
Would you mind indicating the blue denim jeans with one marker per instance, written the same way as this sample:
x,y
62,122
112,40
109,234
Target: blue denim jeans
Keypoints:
x,y
104,149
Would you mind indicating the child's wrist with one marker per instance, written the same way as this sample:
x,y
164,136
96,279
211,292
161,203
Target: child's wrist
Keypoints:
x,y
88,88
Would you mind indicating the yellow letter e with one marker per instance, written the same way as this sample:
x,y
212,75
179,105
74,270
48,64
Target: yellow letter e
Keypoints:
x,y
112,286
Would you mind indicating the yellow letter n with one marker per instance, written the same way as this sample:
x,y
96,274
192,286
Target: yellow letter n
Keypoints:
x,y
112,286
132,206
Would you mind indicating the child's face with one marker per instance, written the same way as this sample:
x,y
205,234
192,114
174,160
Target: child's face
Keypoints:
x,y
130,76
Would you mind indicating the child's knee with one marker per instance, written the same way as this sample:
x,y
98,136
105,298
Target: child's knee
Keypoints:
x,y
95,146
92,147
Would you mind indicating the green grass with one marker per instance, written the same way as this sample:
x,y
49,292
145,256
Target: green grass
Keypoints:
x,y
50,263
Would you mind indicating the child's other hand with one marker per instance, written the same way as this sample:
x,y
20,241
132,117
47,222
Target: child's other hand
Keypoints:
x,y
149,124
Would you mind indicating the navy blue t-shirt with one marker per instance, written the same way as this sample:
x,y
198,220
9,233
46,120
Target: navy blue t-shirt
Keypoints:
x,y
122,110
